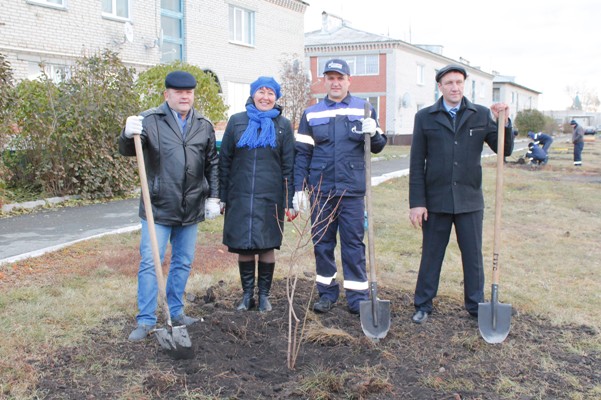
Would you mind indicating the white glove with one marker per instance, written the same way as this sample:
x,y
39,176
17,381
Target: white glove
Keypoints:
x,y
212,208
369,126
133,126
300,201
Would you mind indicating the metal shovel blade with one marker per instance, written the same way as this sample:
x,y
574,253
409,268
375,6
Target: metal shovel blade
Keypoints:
x,y
494,319
375,318
176,342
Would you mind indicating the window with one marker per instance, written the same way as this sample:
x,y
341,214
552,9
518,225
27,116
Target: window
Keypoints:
x,y
496,95
482,89
115,8
359,65
56,72
242,26
420,74
49,3
172,24
473,91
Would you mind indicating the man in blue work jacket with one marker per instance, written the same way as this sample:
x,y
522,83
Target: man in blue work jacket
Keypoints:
x,y
330,164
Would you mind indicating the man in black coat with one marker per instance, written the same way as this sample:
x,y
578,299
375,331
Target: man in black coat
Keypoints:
x,y
180,154
445,185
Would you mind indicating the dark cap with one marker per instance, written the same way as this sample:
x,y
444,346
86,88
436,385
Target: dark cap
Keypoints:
x,y
572,122
337,65
180,80
450,68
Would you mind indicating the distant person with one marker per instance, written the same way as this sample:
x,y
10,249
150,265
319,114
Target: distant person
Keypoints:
x,y
445,185
515,134
256,163
181,167
542,139
536,154
330,161
578,141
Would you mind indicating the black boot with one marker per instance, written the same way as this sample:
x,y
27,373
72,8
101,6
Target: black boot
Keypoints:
x,y
264,284
247,277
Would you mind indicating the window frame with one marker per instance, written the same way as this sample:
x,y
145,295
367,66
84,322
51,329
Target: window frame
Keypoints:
x,y
113,14
46,3
173,40
352,62
247,31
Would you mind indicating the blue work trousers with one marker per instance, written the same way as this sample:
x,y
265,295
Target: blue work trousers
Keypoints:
x,y
183,245
344,216
578,147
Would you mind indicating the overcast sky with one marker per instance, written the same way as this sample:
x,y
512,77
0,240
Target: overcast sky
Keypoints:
x,y
548,46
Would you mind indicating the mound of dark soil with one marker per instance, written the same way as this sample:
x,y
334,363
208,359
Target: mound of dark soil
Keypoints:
x,y
243,355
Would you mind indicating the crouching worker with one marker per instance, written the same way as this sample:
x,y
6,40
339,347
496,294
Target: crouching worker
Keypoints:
x,y
181,167
536,154
256,162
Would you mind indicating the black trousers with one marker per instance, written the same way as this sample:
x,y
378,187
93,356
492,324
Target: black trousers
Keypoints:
x,y
436,233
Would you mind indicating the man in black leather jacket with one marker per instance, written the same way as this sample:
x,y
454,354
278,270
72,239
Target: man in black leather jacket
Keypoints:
x,y
181,160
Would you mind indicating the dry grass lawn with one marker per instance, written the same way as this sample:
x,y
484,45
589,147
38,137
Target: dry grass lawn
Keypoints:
x,y
550,259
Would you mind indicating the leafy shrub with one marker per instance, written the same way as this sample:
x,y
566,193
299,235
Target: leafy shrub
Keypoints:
x,y
66,142
534,120
151,85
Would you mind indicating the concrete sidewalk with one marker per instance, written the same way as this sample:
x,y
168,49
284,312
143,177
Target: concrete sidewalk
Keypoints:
x,y
34,234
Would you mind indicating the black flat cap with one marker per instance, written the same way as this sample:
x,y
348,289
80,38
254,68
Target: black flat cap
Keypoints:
x,y
450,68
180,80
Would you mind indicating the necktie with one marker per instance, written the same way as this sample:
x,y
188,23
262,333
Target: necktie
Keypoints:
x,y
453,112
184,123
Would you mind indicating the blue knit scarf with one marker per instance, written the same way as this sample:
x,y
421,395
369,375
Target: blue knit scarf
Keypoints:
x,y
259,119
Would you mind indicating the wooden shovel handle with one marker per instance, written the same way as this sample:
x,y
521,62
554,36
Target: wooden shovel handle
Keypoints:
x,y
368,206
498,196
151,229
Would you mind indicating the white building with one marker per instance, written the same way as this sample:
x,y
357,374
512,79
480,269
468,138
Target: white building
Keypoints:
x,y
237,40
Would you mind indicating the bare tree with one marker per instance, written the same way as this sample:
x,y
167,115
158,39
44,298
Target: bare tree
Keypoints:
x,y
296,88
306,236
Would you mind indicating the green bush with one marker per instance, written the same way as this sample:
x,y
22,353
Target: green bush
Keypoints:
x,y
7,96
534,120
66,142
151,85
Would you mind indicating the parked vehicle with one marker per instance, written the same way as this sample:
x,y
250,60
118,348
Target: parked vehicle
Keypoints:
x,y
590,130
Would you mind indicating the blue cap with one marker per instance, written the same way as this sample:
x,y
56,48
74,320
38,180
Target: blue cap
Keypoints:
x,y
266,82
337,65
180,80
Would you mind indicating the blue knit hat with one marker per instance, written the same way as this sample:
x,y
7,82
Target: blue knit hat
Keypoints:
x,y
266,82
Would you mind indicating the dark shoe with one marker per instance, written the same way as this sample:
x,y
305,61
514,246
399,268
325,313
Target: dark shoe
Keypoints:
x,y
264,304
247,278
183,319
247,303
264,285
323,305
474,314
140,333
420,317
353,311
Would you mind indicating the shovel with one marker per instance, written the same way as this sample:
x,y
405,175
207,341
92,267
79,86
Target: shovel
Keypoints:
x,y
375,313
494,318
174,339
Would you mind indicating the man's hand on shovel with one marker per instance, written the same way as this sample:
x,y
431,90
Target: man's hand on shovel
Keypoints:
x,y
133,126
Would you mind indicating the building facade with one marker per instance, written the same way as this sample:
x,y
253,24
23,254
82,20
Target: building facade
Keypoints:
x,y
237,40
397,77
518,97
